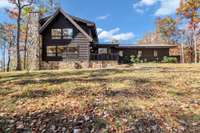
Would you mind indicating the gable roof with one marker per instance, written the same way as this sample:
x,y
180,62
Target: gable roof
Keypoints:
x,y
45,25
89,23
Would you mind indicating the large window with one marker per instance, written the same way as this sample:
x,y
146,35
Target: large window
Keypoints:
x,y
56,33
67,33
102,50
51,51
62,51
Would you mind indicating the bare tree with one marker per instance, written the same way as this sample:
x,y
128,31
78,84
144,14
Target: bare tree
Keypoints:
x,y
3,46
19,6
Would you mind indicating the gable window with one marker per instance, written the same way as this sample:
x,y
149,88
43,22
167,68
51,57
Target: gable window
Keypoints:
x,y
67,33
56,33
139,53
155,53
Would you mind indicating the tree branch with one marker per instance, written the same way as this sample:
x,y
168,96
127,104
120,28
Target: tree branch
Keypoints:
x,y
29,4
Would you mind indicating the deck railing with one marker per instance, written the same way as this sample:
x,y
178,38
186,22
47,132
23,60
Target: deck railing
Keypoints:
x,y
104,56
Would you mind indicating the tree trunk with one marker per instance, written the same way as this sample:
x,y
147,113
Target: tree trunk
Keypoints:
x,y
25,43
9,54
8,64
19,67
4,57
195,48
182,54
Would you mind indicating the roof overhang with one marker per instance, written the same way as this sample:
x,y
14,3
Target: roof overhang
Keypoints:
x,y
106,45
146,46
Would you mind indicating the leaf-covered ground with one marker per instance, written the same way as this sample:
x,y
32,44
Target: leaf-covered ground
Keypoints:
x,y
146,98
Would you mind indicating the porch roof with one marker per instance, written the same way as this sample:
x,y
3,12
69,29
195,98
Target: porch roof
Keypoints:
x,y
131,46
147,46
106,45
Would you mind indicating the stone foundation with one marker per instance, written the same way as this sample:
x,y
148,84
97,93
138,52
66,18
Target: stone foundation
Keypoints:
x,y
56,65
53,65
103,64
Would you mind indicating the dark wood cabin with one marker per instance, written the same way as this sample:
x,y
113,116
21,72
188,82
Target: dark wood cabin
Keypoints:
x,y
65,37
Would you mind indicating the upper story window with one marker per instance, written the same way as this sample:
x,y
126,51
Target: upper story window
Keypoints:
x,y
155,53
67,33
139,53
56,33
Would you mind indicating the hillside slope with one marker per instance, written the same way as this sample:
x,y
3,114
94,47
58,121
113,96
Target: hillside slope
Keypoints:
x,y
141,99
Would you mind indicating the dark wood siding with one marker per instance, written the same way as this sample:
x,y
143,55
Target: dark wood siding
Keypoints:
x,y
147,54
79,38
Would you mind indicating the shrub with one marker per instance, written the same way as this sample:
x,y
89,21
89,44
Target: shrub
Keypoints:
x,y
169,60
126,59
135,59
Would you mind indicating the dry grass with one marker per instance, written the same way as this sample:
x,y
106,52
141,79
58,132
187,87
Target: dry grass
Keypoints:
x,y
167,92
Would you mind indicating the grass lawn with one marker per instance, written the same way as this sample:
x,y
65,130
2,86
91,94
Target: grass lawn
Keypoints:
x,y
129,99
